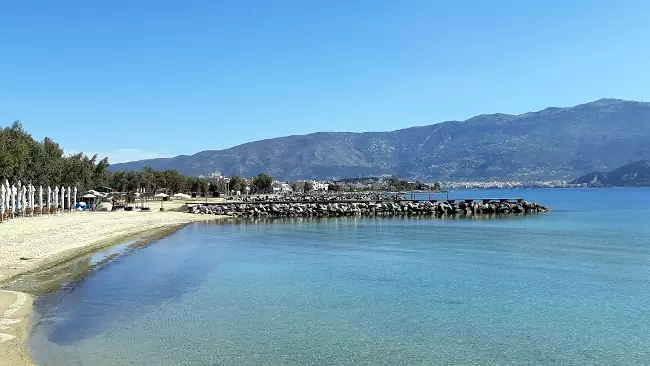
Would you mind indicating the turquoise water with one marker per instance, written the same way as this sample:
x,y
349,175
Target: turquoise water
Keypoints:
x,y
568,287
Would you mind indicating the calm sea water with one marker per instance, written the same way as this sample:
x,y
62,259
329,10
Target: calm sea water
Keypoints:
x,y
568,287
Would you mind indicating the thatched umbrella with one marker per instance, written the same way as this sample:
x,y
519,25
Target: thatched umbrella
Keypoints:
x,y
89,196
162,197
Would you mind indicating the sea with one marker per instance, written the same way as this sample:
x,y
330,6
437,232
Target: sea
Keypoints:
x,y
571,286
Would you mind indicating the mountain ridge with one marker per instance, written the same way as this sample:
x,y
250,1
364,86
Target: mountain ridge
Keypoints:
x,y
553,143
636,174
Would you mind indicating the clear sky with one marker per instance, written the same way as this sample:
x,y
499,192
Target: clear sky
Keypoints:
x,y
139,79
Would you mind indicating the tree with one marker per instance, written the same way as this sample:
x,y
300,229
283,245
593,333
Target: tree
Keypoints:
x,y
236,183
216,188
262,183
437,187
205,187
294,186
308,186
334,187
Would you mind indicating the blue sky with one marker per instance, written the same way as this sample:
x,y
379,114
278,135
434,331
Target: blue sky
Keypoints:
x,y
140,79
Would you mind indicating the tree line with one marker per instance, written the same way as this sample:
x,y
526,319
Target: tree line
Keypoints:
x,y
44,163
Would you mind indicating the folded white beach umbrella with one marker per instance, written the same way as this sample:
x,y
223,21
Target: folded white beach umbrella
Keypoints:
x,y
13,200
3,201
40,198
23,197
19,193
8,189
56,197
32,194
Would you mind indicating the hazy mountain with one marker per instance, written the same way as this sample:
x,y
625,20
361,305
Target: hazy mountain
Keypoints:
x,y
552,143
636,174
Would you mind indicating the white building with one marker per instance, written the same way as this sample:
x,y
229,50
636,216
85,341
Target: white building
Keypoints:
x,y
281,187
319,186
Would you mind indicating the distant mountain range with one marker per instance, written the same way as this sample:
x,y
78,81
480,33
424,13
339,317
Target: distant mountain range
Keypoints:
x,y
555,143
636,174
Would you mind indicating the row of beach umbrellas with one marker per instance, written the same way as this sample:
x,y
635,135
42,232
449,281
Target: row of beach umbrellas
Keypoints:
x,y
21,198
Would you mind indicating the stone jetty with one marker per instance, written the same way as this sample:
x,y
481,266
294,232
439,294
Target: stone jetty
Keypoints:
x,y
371,208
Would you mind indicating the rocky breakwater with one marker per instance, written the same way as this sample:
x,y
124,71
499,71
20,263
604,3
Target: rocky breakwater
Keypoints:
x,y
380,208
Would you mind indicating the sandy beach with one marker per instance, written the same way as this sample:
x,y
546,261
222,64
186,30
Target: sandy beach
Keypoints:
x,y
32,243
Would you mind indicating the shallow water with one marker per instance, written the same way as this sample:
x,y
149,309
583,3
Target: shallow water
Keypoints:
x,y
567,287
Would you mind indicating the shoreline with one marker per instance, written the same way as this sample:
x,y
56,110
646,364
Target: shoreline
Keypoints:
x,y
16,307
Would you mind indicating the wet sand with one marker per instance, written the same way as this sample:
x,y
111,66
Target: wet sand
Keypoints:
x,y
32,244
